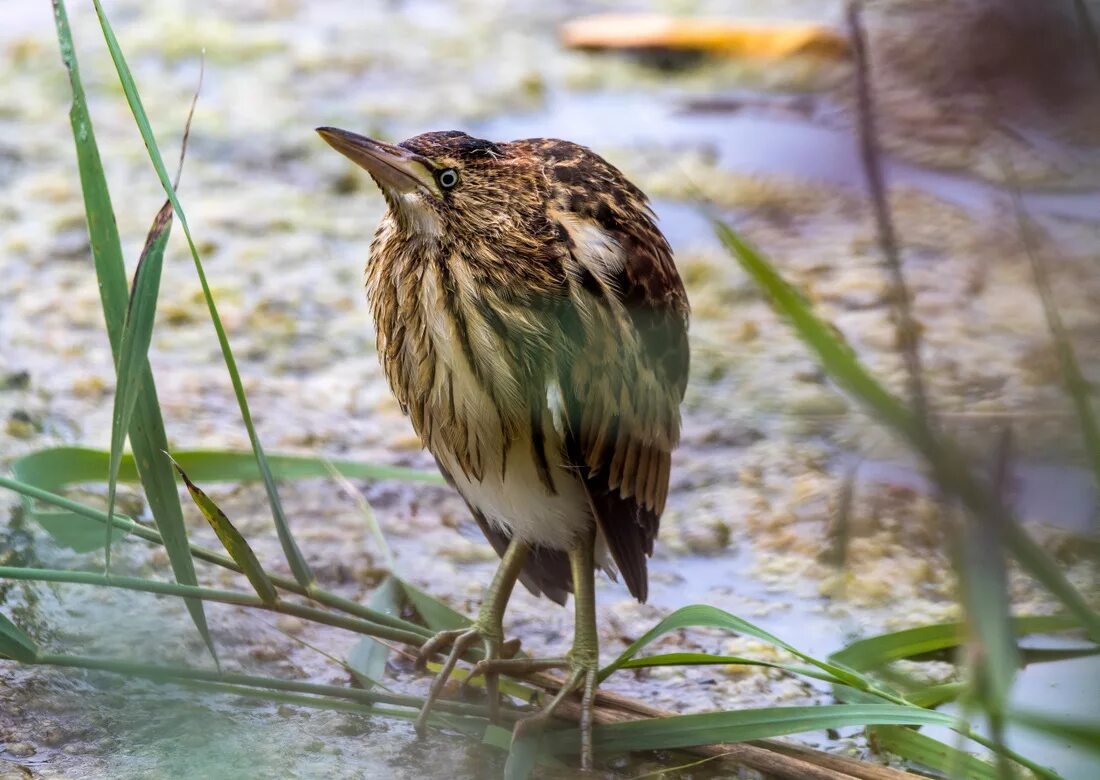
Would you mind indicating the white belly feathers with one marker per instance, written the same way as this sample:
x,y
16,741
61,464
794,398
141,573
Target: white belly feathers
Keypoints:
x,y
511,494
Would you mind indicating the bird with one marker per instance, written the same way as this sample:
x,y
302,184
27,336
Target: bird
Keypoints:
x,y
531,323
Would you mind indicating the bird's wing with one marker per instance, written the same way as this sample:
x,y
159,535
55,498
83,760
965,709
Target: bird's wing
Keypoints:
x,y
622,377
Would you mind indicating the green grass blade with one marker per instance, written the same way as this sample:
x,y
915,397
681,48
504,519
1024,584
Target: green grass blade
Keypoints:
x,y
14,643
436,615
523,754
57,467
875,652
79,513
949,467
709,728
935,695
367,659
705,659
293,554
324,617
231,539
147,436
1077,387
133,357
991,654
701,615
932,753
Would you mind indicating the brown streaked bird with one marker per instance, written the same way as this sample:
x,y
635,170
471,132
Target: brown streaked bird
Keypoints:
x,y
532,325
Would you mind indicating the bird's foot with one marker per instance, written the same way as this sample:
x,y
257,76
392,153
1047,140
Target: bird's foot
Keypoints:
x,y
460,641
583,676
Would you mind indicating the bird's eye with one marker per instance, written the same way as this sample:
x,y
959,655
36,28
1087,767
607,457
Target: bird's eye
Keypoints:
x,y
447,178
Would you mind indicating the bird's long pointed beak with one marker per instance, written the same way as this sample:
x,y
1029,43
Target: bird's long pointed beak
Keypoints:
x,y
394,168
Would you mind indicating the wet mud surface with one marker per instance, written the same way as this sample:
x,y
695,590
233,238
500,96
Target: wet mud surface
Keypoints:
x,y
284,226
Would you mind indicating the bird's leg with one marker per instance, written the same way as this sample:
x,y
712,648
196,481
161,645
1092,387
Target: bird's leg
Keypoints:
x,y
488,628
582,661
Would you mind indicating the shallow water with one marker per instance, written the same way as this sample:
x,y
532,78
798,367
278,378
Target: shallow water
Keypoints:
x,y
766,443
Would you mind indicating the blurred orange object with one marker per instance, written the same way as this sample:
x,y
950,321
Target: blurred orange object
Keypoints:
x,y
725,37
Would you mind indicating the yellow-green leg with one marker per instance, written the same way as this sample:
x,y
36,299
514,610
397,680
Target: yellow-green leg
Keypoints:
x,y
488,628
582,661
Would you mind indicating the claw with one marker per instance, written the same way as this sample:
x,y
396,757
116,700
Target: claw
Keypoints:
x,y
584,677
460,641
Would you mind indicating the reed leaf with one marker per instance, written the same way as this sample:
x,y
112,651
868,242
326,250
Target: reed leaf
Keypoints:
x,y
950,468
367,659
293,554
147,435
709,728
231,539
354,624
133,352
14,643
931,753
875,652
55,467
702,615
706,659
436,615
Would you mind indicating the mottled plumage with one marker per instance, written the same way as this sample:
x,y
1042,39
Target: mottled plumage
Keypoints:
x,y
532,325
538,326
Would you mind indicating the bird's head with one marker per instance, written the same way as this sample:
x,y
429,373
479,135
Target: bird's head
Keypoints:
x,y
447,185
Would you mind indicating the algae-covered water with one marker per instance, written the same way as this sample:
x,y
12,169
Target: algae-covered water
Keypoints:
x,y
284,226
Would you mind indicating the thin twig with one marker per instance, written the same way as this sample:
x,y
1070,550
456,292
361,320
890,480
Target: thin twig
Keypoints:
x,y
355,625
1077,387
164,673
908,331
212,556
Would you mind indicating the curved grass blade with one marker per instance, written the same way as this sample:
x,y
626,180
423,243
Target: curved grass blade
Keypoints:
x,y
949,466
56,467
14,643
147,436
875,652
701,615
235,544
293,554
705,659
709,728
133,353
137,331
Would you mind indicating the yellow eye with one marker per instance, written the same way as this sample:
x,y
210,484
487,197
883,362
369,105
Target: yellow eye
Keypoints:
x,y
447,178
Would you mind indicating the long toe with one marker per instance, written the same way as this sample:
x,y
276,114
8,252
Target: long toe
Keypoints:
x,y
459,645
584,678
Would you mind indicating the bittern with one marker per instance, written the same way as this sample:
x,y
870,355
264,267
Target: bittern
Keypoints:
x,y
531,323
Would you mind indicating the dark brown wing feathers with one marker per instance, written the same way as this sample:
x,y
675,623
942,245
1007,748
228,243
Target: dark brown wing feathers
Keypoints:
x,y
625,377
